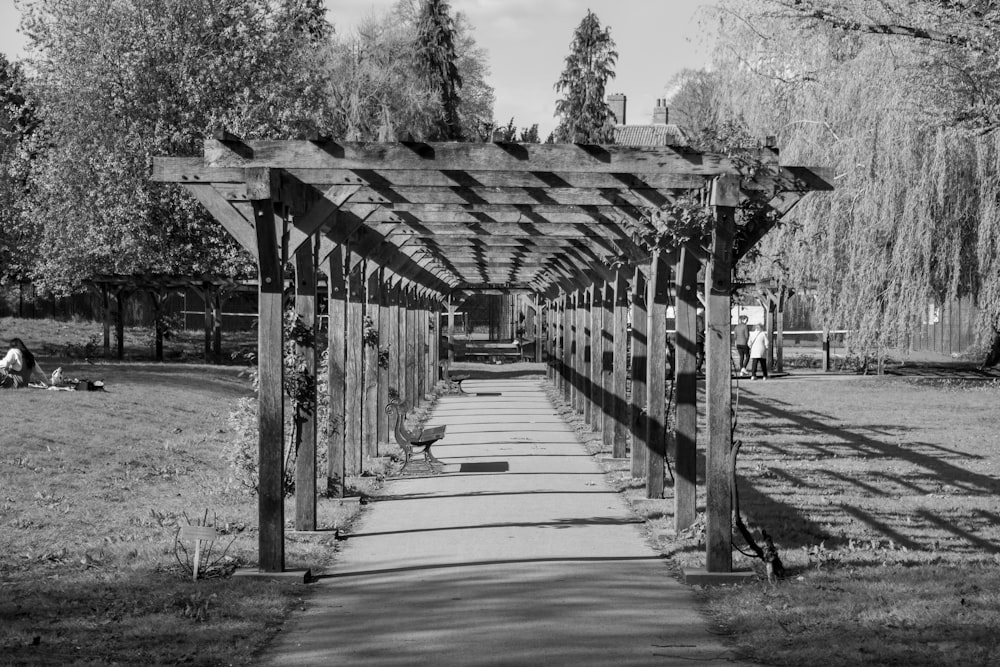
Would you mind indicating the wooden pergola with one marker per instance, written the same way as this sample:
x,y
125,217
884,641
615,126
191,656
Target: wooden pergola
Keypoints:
x,y
406,231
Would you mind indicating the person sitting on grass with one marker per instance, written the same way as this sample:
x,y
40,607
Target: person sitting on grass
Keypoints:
x,y
18,366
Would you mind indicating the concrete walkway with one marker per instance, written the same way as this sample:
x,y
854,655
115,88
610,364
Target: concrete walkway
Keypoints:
x,y
519,554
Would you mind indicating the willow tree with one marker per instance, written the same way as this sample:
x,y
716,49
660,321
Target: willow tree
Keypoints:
x,y
909,219
584,114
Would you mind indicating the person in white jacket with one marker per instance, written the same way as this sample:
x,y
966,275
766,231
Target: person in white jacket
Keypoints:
x,y
758,351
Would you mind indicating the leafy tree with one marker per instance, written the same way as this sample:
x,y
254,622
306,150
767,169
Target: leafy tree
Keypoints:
x,y
18,142
121,82
914,217
584,115
372,91
438,62
694,103
379,90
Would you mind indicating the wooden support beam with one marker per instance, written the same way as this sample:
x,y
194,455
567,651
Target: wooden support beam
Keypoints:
x,y
305,404
384,355
580,366
568,342
410,353
336,371
106,320
586,356
369,402
354,387
551,333
596,396
718,383
619,371
395,342
452,310
570,158
686,391
639,354
606,365
321,213
217,325
656,367
271,403
156,297
121,297
539,328
223,211
207,293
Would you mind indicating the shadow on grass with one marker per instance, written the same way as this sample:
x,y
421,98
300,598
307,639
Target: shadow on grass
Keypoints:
x,y
866,449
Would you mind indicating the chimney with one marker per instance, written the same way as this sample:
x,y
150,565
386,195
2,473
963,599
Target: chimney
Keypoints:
x,y
660,114
617,104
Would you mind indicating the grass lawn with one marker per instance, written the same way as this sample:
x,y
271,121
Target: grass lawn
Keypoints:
x,y
883,496
93,487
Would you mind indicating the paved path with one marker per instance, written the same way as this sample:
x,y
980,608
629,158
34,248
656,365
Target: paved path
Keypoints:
x,y
520,554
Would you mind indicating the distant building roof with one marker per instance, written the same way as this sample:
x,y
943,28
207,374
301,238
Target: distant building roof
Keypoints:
x,y
650,135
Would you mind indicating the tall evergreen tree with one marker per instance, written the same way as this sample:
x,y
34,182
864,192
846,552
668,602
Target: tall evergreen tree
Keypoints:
x,y
439,60
585,116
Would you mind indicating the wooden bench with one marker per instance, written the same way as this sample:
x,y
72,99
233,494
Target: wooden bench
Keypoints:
x,y
408,441
455,386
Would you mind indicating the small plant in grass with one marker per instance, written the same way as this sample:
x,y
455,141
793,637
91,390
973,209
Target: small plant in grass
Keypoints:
x,y
211,564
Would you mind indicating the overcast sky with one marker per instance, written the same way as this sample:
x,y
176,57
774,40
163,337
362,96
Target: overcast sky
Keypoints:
x,y
528,40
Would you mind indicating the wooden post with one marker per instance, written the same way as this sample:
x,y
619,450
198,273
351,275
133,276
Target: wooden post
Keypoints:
x,y
540,329
718,389
305,408
550,339
395,341
336,371
770,305
580,364
779,329
596,373
555,350
217,325
369,401
156,297
410,366
105,313
619,371
207,293
607,335
271,409
421,343
639,340
385,343
451,339
433,343
686,391
121,296
826,349
354,386
567,348
656,369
